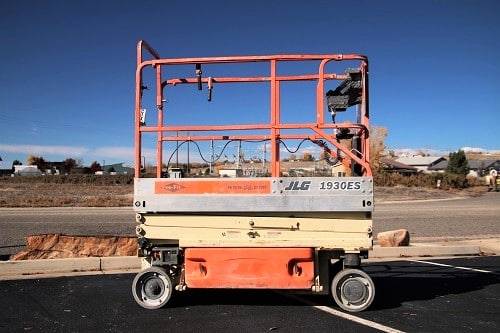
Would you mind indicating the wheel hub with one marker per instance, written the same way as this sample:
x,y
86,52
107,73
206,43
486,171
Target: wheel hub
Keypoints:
x,y
153,288
354,290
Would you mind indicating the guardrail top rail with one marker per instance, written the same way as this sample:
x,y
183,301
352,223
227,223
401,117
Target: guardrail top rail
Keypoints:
x,y
329,136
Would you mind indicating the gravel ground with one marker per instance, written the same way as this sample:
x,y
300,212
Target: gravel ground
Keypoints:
x,y
400,193
40,194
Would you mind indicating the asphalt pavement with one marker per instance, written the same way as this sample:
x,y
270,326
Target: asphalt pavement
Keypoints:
x,y
412,295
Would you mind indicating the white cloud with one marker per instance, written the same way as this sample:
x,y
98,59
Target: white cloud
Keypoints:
x,y
313,150
436,152
126,154
54,153
113,152
417,151
108,153
479,150
40,150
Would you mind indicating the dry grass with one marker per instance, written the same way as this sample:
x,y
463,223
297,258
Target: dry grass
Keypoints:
x,y
52,191
404,193
117,191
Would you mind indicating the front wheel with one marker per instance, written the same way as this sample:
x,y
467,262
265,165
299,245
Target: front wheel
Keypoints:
x,y
152,288
353,290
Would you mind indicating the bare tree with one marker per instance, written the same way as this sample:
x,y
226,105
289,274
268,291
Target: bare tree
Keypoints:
x,y
307,156
95,166
377,145
69,164
36,160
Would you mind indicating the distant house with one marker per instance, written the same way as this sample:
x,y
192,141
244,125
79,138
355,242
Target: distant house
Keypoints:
x,y
478,168
55,168
5,168
117,169
231,173
340,170
392,166
421,163
439,167
27,170
175,172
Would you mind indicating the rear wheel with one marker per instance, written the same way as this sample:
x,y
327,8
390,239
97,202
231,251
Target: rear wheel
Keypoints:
x,y
152,288
353,290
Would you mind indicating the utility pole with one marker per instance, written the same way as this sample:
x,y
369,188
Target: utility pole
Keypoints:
x,y
211,155
264,158
187,171
177,151
238,162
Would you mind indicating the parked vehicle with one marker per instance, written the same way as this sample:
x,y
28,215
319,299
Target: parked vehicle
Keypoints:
x,y
276,232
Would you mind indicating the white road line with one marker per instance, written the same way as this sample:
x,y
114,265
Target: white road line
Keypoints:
x,y
457,267
358,320
343,315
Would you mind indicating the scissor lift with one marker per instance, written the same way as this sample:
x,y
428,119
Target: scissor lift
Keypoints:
x,y
274,232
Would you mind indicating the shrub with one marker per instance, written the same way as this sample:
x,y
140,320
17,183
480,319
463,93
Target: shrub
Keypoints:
x,y
452,180
71,179
447,180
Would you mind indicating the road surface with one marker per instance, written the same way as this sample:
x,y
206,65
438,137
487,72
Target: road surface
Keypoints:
x,y
470,218
453,295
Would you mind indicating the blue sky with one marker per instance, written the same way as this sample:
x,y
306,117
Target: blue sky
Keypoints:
x,y
68,67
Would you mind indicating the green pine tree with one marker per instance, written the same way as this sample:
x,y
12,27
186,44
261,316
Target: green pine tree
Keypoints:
x,y
458,163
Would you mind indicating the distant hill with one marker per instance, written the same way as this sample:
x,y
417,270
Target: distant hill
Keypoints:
x,y
482,156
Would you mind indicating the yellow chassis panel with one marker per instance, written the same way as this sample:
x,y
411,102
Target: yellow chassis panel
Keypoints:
x,y
349,232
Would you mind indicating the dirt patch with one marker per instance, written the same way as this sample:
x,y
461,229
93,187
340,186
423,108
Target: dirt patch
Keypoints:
x,y
401,193
117,191
60,246
52,191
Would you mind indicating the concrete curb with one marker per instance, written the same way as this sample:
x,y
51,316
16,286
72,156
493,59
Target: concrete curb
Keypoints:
x,y
120,263
31,269
424,250
67,266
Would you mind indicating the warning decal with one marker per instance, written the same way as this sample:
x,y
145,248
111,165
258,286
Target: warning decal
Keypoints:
x,y
213,187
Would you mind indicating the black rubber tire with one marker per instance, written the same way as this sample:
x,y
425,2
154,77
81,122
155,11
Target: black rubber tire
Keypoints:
x,y
152,288
353,290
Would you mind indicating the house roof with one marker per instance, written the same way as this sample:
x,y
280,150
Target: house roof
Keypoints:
x,y
397,166
473,164
421,160
482,164
29,171
440,165
119,168
5,165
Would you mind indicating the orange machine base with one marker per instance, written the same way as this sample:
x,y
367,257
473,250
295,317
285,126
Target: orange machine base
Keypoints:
x,y
273,268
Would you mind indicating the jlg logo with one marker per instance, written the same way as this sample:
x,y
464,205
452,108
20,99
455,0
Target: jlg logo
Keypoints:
x,y
298,186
